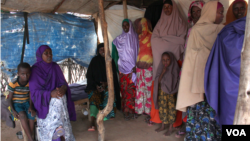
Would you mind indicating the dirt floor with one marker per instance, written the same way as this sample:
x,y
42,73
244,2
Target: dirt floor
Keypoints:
x,y
116,130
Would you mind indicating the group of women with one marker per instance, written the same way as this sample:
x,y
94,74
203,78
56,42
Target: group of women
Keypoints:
x,y
202,92
198,94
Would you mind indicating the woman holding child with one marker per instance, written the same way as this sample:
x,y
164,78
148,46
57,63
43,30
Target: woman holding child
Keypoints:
x,y
51,97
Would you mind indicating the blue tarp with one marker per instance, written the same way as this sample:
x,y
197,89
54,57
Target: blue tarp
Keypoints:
x,y
68,36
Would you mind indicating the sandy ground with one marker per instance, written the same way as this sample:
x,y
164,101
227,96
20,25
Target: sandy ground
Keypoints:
x,y
116,130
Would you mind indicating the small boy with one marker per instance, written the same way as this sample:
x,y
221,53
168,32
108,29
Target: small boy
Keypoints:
x,y
19,100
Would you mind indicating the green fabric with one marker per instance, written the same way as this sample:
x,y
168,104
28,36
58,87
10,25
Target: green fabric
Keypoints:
x,y
115,56
125,20
94,111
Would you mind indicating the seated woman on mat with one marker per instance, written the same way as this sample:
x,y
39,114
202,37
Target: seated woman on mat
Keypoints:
x,y
97,87
52,98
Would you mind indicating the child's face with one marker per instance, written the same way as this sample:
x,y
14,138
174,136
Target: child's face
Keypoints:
x,y
24,74
165,59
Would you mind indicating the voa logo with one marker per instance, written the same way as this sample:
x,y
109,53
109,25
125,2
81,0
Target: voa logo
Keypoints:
x,y
236,132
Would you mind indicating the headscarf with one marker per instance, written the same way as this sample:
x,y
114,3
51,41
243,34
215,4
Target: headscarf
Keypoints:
x,y
127,46
45,77
230,16
145,51
168,35
200,42
197,4
96,73
222,73
169,81
168,2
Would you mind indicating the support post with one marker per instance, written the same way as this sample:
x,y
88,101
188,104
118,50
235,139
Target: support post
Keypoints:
x,y
125,12
109,72
242,112
25,34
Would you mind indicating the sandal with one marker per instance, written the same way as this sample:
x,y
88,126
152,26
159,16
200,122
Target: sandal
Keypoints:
x,y
127,117
179,134
147,119
150,123
58,133
91,128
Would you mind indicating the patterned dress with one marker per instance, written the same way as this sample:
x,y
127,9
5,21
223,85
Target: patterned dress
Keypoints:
x,y
57,116
201,125
100,101
128,93
166,105
143,90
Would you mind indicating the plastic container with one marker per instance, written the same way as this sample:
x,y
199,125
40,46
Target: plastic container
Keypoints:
x,y
19,135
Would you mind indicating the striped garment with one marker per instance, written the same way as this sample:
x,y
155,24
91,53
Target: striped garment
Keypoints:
x,y
20,92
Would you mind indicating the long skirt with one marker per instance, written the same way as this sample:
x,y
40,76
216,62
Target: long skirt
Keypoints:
x,y
201,124
166,105
143,90
98,101
154,114
128,93
57,116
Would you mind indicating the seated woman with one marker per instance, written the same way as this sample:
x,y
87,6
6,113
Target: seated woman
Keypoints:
x,y
97,86
52,98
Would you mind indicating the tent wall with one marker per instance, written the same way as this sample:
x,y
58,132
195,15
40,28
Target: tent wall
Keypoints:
x,y
67,35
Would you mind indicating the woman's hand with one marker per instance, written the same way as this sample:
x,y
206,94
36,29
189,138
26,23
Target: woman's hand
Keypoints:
x,y
104,84
164,70
54,94
62,90
99,89
134,70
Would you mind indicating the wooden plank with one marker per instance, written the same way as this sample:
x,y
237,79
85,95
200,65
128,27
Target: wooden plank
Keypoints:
x,y
125,11
242,112
109,71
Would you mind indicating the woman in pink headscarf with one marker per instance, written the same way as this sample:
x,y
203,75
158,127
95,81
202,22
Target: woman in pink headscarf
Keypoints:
x,y
194,14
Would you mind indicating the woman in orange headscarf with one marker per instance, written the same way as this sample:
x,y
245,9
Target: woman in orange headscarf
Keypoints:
x,y
144,68
237,10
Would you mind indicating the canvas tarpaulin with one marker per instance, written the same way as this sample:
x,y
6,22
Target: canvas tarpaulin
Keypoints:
x,y
68,36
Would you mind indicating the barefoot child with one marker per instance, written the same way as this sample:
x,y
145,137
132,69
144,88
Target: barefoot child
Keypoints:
x,y
165,89
19,100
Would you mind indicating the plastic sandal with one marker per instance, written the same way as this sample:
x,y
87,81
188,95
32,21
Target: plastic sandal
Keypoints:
x,y
58,133
127,118
91,128
150,123
179,134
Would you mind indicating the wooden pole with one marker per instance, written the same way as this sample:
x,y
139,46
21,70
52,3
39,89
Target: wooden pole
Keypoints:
x,y
108,61
125,12
242,112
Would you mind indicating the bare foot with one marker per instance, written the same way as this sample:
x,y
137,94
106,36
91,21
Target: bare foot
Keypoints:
x,y
161,128
169,132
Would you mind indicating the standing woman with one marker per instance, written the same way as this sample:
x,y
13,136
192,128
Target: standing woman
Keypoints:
x,y
144,69
124,52
200,121
97,87
168,35
237,10
51,96
194,14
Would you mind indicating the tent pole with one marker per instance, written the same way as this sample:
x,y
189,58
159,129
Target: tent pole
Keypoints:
x,y
109,71
25,34
242,114
125,12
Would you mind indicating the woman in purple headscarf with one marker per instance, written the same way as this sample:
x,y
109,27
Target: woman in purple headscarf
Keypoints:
x,y
52,98
124,52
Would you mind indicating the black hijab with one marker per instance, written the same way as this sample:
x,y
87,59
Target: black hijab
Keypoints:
x,y
97,73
